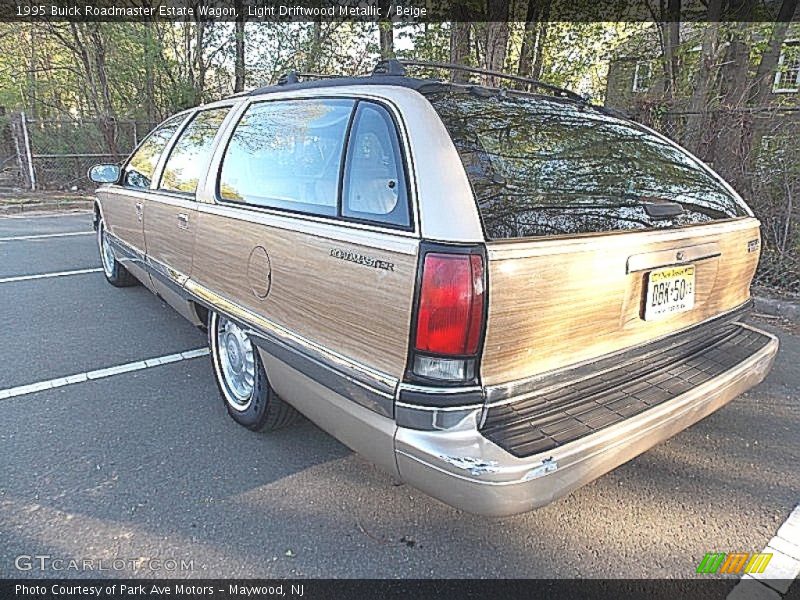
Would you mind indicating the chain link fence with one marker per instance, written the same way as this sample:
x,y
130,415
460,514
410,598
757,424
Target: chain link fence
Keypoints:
x,y
63,150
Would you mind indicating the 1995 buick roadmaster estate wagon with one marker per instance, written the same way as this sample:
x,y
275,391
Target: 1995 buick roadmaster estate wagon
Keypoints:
x,y
496,295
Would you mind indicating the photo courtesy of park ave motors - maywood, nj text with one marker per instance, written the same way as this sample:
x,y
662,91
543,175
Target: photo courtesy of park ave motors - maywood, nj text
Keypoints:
x,y
323,299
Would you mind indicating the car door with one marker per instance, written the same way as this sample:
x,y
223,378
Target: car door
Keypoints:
x,y
123,204
326,282
171,205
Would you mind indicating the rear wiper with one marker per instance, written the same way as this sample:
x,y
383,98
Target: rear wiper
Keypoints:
x,y
658,208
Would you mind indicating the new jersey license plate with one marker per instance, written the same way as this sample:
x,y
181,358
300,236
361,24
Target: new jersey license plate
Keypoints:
x,y
669,291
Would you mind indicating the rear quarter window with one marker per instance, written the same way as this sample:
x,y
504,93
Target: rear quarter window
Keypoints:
x,y
374,187
543,167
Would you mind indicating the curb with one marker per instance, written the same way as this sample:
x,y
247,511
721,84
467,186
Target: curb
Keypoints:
x,y
15,209
778,308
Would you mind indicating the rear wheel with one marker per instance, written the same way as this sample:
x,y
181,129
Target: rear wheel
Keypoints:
x,y
115,273
242,380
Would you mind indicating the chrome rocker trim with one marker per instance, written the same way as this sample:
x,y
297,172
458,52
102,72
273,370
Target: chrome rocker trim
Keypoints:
x,y
368,387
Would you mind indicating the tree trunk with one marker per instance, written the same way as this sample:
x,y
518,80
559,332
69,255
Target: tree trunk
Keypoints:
x,y
672,42
149,77
530,39
459,49
704,78
199,61
496,33
238,68
538,58
533,38
386,34
731,156
312,56
108,116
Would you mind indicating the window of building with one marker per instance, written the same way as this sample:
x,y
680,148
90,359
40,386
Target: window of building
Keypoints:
x,y
787,75
642,76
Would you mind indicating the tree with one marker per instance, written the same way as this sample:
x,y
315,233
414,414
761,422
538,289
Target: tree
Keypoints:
x,y
495,38
238,69
533,39
386,32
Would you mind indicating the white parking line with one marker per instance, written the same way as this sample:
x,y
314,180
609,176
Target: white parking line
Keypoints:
x,y
42,236
48,275
50,214
782,569
101,373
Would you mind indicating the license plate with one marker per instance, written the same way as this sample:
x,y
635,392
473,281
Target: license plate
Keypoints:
x,y
669,291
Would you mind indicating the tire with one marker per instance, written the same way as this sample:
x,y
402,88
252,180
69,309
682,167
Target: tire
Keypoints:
x,y
242,380
115,273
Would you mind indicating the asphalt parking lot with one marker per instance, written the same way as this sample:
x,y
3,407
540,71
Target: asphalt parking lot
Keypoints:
x,y
147,463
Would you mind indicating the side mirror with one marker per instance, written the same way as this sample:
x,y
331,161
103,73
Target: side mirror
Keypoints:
x,y
105,173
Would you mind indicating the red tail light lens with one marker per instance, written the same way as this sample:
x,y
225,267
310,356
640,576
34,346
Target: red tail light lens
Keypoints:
x,y
450,313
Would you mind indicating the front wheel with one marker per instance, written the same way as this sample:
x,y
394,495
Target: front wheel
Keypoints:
x,y
115,273
242,380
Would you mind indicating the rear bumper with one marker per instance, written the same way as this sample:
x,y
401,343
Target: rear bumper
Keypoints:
x,y
463,468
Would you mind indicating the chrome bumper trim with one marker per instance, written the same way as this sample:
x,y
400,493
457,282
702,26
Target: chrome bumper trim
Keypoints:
x,y
427,459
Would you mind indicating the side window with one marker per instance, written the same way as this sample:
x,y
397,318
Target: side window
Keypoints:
x,y
287,155
374,181
138,173
188,159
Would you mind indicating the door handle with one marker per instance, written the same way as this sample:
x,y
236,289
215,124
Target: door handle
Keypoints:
x,y
139,211
183,220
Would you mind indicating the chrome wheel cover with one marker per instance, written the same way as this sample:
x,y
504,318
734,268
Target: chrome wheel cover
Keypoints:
x,y
106,251
237,363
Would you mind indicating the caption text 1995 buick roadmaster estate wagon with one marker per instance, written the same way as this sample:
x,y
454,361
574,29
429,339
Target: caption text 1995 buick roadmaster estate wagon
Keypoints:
x,y
496,295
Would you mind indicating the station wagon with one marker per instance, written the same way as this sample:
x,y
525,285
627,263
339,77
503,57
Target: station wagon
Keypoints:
x,y
497,295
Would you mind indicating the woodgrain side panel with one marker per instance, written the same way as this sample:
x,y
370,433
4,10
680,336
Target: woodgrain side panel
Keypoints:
x,y
552,307
360,311
169,241
119,213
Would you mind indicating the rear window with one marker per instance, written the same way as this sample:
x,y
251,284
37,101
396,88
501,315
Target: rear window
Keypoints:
x,y
543,167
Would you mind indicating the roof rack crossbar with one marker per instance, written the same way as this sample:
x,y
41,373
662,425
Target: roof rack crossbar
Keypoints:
x,y
390,66
288,79
379,69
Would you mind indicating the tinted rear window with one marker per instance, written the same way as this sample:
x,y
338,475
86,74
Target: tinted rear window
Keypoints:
x,y
543,167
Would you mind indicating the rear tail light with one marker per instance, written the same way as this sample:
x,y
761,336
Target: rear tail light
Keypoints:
x,y
450,317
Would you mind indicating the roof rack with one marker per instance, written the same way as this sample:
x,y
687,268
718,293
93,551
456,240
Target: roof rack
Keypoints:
x,y
397,67
295,76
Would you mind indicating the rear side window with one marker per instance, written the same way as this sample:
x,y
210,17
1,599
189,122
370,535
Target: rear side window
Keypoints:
x,y
374,182
188,159
542,167
138,173
287,155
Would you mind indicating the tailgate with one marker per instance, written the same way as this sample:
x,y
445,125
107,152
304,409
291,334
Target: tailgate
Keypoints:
x,y
555,303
